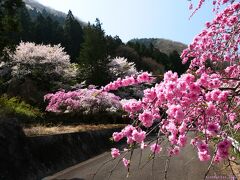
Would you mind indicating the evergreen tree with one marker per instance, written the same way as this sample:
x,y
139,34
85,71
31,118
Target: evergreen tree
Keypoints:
x,y
73,36
25,27
34,13
151,48
44,13
47,31
39,30
176,63
50,30
93,54
161,58
58,33
112,44
9,24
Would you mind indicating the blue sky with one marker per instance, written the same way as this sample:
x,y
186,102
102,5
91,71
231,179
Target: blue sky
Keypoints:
x,y
129,19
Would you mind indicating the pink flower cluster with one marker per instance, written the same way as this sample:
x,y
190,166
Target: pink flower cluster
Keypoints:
x,y
82,100
146,118
174,151
131,133
219,42
115,152
132,105
155,148
204,99
222,150
190,101
126,162
203,150
128,81
216,5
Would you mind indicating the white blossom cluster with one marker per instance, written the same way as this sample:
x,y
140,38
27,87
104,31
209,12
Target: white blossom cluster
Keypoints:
x,y
42,60
120,67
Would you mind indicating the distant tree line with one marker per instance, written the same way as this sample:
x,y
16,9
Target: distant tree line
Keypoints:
x,y
170,62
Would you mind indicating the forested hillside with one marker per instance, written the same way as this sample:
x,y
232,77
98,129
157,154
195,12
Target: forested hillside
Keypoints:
x,y
164,45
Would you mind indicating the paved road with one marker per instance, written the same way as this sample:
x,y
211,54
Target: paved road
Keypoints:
x,y
186,166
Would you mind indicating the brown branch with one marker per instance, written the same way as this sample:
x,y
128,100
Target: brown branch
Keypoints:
x,y
166,167
211,163
230,165
102,165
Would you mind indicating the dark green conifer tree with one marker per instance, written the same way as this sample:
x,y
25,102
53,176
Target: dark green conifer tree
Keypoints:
x,y
176,63
9,24
73,36
93,55
25,26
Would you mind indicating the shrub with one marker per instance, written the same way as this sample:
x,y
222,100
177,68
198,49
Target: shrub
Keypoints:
x,y
14,106
83,101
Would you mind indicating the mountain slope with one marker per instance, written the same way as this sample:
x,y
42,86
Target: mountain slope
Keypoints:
x,y
31,4
35,7
164,45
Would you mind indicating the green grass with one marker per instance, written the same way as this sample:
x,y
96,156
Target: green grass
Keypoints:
x,y
15,107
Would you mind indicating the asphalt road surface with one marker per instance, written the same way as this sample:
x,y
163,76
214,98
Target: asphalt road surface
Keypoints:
x,y
185,166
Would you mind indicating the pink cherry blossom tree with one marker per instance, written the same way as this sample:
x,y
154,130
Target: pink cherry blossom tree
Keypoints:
x,y
205,100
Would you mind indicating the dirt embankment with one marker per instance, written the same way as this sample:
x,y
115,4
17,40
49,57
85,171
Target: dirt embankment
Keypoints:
x,y
26,158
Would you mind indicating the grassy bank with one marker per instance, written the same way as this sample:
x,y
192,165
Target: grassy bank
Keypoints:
x,y
41,129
